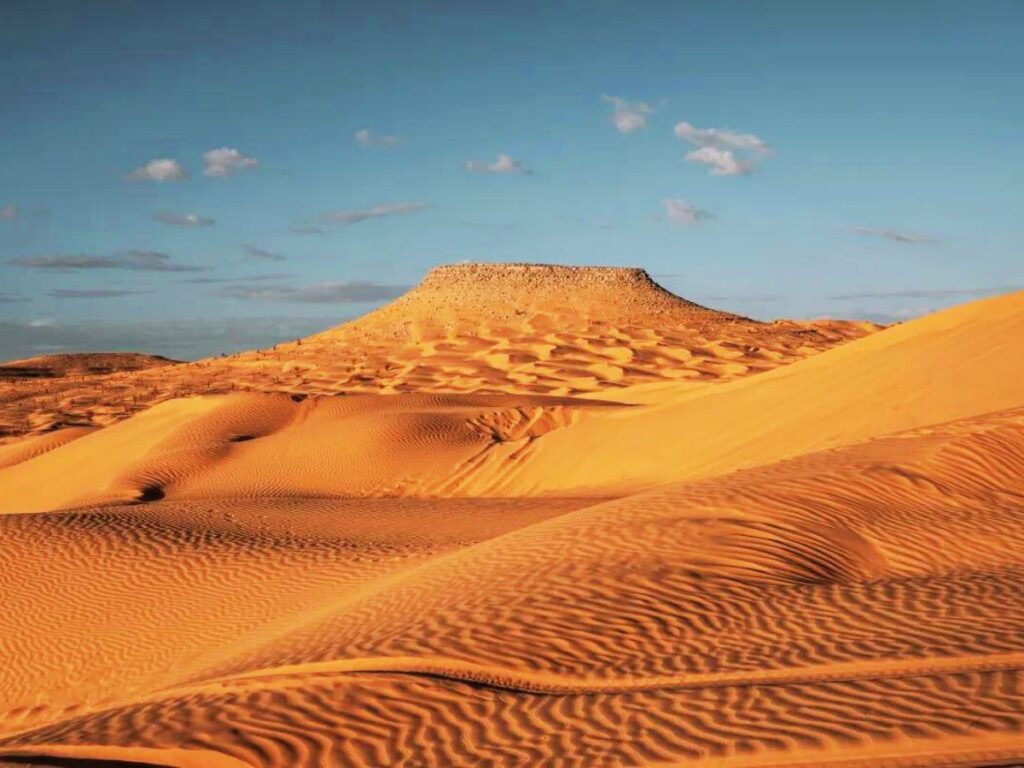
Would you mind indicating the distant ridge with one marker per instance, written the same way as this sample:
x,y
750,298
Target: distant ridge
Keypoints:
x,y
81,364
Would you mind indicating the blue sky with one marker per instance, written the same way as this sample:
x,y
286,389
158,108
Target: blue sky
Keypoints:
x,y
857,159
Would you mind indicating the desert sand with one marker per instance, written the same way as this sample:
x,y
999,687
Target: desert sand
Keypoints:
x,y
523,515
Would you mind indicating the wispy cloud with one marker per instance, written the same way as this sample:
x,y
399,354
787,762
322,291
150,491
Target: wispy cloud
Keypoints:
x,y
504,164
627,116
187,220
683,212
368,138
9,213
224,162
262,253
896,236
90,293
723,151
277,276
926,293
347,217
134,260
10,298
352,292
159,170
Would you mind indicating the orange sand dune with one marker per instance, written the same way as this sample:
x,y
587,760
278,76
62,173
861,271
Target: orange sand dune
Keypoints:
x,y
526,329
257,445
516,445
864,603
962,362
822,564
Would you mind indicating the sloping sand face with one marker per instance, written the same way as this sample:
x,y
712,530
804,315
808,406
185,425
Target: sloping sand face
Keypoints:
x,y
469,328
818,565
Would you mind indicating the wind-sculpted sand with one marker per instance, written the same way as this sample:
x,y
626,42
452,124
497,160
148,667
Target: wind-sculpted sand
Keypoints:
x,y
820,565
525,329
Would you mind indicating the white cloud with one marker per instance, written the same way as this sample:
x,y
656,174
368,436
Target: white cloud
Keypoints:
x,y
720,137
504,164
224,162
724,152
896,236
629,116
9,213
368,138
135,260
188,220
683,212
160,170
721,162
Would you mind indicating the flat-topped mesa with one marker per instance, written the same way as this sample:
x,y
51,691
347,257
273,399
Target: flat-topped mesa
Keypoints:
x,y
456,294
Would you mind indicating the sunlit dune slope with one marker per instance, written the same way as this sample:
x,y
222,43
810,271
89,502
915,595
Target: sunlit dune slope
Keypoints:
x,y
249,445
862,604
497,328
962,362
959,363
106,604
30,446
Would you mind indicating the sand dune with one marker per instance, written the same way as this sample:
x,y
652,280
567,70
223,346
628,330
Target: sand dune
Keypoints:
x,y
963,362
525,329
822,564
896,565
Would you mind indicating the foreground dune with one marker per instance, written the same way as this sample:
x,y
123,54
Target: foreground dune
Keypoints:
x,y
860,603
822,564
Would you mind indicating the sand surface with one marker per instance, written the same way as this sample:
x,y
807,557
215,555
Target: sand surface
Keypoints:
x,y
488,547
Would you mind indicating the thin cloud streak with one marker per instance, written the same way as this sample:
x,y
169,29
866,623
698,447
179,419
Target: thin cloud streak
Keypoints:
x,y
504,164
351,292
896,236
937,293
88,293
186,220
134,260
344,218
262,253
242,279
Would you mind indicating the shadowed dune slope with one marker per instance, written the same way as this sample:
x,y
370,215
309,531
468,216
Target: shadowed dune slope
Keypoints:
x,y
862,604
